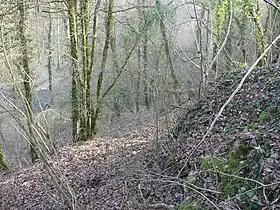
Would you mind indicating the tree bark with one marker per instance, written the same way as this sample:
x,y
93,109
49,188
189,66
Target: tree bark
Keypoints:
x,y
72,10
109,25
27,77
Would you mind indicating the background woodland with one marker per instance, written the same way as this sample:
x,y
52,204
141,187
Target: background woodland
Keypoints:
x,y
69,67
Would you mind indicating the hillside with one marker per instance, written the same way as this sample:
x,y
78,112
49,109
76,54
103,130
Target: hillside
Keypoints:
x,y
237,167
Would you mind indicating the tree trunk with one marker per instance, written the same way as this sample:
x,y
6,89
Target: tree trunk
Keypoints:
x,y
145,65
90,122
167,51
84,130
109,25
137,100
49,47
74,55
27,80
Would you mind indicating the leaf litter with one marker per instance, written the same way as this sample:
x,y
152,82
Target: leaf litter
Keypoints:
x,y
123,168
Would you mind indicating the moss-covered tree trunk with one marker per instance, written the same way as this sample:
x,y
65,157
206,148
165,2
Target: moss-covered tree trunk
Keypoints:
x,y
90,106
175,82
116,104
242,40
220,14
109,27
85,113
27,79
253,11
73,16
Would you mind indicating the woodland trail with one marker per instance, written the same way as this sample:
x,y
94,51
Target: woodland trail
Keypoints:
x,y
101,172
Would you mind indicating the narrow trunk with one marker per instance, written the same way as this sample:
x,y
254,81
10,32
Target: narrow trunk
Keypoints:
x,y
276,30
253,11
109,24
58,43
145,65
91,120
50,54
116,105
27,80
167,51
137,100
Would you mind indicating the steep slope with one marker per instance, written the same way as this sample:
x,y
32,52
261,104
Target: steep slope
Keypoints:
x,y
242,151
237,167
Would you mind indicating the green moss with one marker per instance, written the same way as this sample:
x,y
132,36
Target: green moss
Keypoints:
x,y
199,183
210,161
243,65
3,163
271,113
190,205
264,117
253,126
221,17
240,162
239,153
274,112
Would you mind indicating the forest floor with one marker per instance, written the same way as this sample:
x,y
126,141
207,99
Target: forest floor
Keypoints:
x,y
127,167
100,172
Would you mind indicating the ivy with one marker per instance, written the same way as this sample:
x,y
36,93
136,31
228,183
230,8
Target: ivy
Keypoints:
x,y
241,162
252,10
220,18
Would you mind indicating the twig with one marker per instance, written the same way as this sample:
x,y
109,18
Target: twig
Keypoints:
x,y
186,184
273,4
189,187
253,189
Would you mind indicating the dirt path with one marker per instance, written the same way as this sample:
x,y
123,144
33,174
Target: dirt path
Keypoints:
x,y
103,173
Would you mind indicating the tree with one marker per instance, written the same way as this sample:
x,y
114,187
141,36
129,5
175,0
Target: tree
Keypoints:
x,y
86,110
162,23
27,78
73,23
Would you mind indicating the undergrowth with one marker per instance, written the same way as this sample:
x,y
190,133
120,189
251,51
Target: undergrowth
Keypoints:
x,y
231,171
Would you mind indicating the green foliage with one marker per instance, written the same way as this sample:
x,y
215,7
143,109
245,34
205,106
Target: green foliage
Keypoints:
x,y
264,117
190,205
220,18
3,163
274,112
243,65
209,161
253,126
252,10
270,114
241,162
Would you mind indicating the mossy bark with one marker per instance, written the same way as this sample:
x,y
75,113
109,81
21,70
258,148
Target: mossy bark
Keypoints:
x,y
175,81
27,80
74,55
109,27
